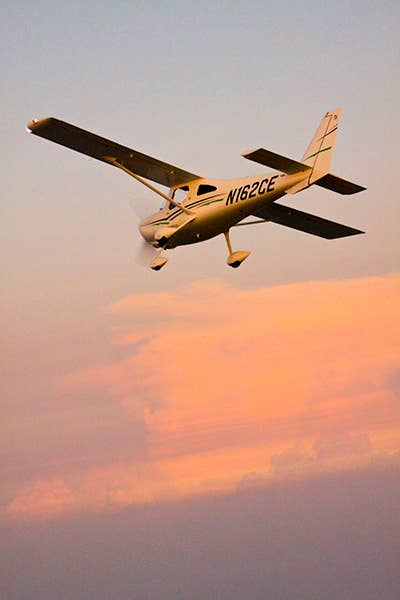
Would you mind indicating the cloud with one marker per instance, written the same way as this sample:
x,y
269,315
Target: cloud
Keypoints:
x,y
342,444
293,458
43,500
220,361
335,451
228,381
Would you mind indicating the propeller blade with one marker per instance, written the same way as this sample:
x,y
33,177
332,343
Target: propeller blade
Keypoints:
x,y
142,207
145,253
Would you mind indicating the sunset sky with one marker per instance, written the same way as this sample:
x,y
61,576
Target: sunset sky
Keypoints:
x,y
200,432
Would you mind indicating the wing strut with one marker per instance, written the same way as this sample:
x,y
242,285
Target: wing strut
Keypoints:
x,y
114,161
251,222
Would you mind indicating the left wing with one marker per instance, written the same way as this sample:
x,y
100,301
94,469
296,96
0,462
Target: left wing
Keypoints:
x,y
296,219
98,147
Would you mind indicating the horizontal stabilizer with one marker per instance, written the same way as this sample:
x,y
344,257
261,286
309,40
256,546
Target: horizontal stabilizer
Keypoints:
x,y
339,185
275,161
98,147
296,219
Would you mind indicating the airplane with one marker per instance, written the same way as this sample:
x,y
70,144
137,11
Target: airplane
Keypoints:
x,y
196,209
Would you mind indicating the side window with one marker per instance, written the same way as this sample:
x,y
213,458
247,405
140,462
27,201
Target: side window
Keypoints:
x,y
179,196
204,188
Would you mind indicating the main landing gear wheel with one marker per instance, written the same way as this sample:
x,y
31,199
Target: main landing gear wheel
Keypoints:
x,y
235,259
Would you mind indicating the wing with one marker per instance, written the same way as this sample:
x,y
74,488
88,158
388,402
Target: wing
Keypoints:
x,y
98,147
296,219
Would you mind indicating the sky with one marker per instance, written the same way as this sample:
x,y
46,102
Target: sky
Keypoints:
x,y
200,431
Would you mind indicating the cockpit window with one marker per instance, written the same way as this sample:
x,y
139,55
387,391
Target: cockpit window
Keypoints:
x,y
204,188
179,196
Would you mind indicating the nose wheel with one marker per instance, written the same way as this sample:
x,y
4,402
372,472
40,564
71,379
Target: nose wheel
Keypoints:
x,y
158,261
235,259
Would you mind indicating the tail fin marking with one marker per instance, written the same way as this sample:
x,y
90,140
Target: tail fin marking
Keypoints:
x,y
318,155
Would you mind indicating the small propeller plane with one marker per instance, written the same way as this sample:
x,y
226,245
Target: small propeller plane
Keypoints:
x,y
197,209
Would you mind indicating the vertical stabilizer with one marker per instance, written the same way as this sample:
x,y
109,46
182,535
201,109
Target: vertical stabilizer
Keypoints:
x,y
318,155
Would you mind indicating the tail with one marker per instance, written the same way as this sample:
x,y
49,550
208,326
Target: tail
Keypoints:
x,y
316,162
318,155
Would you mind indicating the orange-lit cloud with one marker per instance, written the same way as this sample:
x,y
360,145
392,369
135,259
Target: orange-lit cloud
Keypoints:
x,y
44,499
231,382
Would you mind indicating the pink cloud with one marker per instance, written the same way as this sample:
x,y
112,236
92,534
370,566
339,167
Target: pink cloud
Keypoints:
x,y
43,500
225,378
224,359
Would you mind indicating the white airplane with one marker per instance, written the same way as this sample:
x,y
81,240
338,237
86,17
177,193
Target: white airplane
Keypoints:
x,y
196,209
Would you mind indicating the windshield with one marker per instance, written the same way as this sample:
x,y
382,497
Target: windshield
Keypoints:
x,y
179,195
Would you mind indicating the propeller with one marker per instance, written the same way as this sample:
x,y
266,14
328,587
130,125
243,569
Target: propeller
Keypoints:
x,y
142,207
145,253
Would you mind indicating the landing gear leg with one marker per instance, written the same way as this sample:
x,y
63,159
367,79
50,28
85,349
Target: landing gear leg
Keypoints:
x,y
234,259
158,261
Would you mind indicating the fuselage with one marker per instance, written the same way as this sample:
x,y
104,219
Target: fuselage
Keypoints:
x,y
212,207
198,209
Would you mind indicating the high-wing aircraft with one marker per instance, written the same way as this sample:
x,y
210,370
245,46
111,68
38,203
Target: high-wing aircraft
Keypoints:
x,y
196,209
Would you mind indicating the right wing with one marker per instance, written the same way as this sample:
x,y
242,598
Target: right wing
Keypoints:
x,y
98,147
296,219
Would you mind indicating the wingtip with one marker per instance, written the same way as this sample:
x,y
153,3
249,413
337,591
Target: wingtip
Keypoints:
x,y
250,152
35,124
29,126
